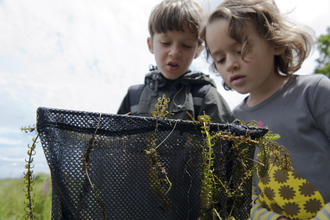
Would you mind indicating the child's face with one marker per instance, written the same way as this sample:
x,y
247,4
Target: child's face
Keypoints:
x,y
253,75
174,51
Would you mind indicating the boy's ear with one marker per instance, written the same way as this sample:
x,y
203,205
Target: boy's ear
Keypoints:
x,y
149,41
279,50
199,50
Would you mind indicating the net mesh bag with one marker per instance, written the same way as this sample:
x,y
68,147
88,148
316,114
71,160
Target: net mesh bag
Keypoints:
x,y
102,166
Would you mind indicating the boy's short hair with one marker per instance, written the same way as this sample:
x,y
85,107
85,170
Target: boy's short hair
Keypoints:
x,y
271,26
172,15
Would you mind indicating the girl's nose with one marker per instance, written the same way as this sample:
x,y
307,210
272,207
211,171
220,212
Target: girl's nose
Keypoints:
x,y
232,64
175,51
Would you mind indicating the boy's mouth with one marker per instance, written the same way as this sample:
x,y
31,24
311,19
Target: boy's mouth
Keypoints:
x,y
172,65
236,79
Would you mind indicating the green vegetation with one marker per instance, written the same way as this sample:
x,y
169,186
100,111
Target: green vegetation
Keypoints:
x,y
324,49
160,183
12,198
29,177
239,154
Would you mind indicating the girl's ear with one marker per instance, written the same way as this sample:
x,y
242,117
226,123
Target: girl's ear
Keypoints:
x,y
279,50
149,41
199,50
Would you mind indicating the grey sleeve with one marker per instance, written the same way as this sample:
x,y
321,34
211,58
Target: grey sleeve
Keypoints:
x,y
320,105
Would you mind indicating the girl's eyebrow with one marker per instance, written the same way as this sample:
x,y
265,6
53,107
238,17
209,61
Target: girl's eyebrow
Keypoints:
x,y
231,44
215,53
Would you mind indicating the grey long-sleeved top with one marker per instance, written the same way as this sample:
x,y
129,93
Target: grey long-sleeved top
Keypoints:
x,y
300,113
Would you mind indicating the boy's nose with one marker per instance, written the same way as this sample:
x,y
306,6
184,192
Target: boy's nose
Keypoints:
x,y
175,51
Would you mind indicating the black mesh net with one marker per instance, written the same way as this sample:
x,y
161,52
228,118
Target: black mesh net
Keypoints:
x,y
111,176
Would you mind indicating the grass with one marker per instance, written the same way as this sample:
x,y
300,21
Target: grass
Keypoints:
x,y
12,198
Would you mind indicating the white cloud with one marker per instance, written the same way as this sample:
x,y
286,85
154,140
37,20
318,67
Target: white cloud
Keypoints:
x,y
77,55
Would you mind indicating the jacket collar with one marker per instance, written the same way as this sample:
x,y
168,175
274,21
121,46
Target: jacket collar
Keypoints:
x,y
155,77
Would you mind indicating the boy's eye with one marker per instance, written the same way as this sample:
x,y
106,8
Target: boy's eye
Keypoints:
x,y
165,43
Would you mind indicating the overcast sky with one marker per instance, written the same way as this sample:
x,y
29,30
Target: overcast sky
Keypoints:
x,y
83,55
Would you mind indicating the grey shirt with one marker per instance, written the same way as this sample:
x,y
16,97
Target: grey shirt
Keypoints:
x,y
300,113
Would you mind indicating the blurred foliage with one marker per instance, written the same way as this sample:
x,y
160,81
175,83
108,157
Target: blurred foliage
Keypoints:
x,y
12,198
323,66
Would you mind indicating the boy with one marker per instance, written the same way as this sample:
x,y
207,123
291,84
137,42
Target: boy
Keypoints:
x,y
174,27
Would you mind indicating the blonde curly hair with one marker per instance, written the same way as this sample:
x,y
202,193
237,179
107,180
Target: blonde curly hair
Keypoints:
x,y
271,25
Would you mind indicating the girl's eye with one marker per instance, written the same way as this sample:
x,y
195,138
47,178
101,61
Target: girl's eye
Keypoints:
x,y
186,46
238,52
220,61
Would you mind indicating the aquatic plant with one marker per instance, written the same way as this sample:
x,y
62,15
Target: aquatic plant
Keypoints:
x,y
214,179
270,151
160,182
85,168
29,177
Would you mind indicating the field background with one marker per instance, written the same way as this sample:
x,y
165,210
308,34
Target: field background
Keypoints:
x,y
12,198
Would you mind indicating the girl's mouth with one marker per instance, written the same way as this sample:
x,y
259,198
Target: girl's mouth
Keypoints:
x,y
237,79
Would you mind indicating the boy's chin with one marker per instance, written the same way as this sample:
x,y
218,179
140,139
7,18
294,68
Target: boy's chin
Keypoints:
x,y
172,76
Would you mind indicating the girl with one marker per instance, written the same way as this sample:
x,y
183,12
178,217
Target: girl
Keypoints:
x,y
257,51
